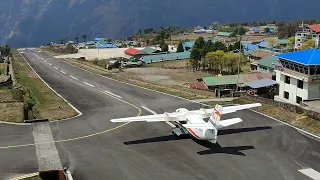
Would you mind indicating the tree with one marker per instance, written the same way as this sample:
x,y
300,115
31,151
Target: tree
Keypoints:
x,y
267,30
199,43
219,46
148,42
61,41
208,47
84,37
76,39
148,30
309,44
5,50
139,31
230,47
272,42
196,56
164,47
237,45
180,47
240,31
291,42
138,44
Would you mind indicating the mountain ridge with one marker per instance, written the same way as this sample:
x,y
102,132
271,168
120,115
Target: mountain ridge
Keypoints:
x,y
36,22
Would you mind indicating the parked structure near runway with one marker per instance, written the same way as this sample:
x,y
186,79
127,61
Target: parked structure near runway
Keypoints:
x,y
165,57
298,75
228,84
134,52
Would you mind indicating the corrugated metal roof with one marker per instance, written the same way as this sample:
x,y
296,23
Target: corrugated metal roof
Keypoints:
x,y
165,57
243,78
261,83
261,53
197,85
306,57
227,34
149,50
268,62
133,51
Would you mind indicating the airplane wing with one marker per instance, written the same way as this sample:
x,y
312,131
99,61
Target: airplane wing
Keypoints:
x,y
205,113
153,118
228,122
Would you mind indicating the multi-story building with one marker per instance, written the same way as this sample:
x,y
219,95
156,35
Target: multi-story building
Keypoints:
x,y
306,32
298,76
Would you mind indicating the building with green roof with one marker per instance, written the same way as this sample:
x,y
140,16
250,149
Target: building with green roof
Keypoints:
x,y
150,51
267,64
224,34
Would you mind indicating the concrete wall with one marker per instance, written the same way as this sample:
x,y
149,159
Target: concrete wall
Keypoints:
x,y
287,106
291,88
314,90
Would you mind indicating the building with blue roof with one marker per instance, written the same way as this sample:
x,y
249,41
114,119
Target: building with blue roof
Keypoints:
x,y
298,76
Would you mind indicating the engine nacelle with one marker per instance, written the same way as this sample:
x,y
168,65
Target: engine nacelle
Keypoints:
x,y
182,110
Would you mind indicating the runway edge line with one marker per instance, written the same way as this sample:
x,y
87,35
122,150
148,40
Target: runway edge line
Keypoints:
x,y
79,113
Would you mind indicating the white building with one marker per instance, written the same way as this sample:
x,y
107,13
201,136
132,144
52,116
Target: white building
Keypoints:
x,y
305,32
298,76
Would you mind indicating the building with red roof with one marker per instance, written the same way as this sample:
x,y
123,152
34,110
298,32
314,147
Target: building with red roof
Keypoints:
x,y
306,32
134,52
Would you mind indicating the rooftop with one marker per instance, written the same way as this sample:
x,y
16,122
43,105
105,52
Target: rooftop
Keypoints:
x,y
224,34
305,57
232,79
268,62
133,51
315,27
261,53
149,50
197,85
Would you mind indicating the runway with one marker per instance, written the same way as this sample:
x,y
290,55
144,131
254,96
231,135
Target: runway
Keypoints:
x,y
95,148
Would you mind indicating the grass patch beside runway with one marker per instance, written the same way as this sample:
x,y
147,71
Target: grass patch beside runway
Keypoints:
x,y
39,100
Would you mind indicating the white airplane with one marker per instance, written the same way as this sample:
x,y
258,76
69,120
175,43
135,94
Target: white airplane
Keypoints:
x,y
192,122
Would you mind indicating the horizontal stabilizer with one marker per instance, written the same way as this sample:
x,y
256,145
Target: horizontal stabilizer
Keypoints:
x,y
202,125
229,122
231,109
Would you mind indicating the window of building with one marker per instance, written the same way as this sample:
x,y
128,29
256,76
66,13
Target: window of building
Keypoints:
x,y
286,95
300,84
298,99
287,79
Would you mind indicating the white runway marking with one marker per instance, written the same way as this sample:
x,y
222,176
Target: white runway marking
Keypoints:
x,y
50,64
44,60
313,174
169,123
113,94
47,154
74,78
55,68
88,84
63,72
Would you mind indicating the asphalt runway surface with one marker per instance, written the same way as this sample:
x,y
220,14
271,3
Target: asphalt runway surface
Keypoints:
x,y
94,148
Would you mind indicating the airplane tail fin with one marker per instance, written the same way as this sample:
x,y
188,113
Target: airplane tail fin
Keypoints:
x,y
216,115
